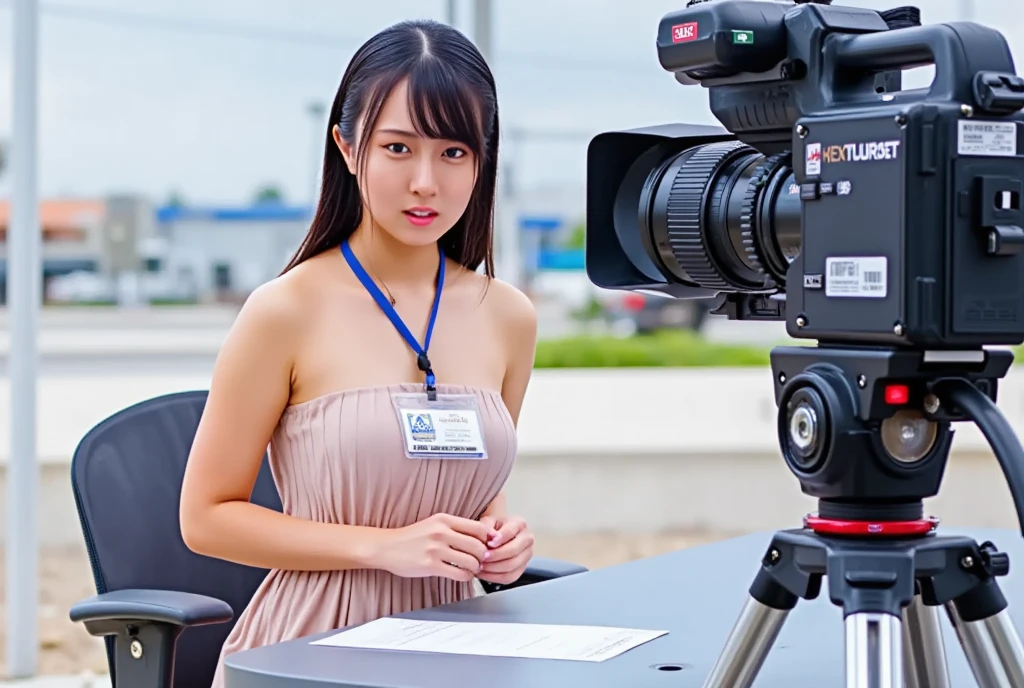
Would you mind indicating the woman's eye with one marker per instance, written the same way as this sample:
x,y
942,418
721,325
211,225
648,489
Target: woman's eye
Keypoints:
x,y
454,152
397,147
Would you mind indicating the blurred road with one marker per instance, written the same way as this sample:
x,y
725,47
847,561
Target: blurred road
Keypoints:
x,y
74,341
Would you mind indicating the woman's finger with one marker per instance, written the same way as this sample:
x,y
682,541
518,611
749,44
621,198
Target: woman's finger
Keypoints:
x,y
466,562
509,529
455,573
492,525
516,563
522,541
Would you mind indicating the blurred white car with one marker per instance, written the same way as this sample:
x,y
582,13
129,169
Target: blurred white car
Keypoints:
x,y
131,288
80,287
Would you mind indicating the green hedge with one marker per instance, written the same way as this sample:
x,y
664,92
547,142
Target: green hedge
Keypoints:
x,y
663,349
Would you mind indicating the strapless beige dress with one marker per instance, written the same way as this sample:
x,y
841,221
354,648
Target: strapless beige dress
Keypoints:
x,y
340,458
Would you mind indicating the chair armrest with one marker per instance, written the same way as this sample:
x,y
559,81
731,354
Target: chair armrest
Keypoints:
x,y
150,606
539,569
545,568
145,625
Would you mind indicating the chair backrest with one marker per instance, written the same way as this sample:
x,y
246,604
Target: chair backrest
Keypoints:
x,y
126,475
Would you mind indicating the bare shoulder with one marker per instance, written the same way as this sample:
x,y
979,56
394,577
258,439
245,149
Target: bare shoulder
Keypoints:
x,y
505,306
277,313
510,307
514,316
274,307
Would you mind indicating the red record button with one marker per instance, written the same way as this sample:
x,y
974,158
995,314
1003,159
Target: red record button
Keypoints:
x,y
897,394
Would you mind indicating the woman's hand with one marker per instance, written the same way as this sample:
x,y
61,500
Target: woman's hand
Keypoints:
x,y
510,549
441,545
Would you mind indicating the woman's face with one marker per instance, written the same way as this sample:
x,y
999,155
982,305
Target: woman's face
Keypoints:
x,y
417,188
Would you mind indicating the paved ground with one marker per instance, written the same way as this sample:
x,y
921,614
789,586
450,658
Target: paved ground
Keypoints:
x,y
66,650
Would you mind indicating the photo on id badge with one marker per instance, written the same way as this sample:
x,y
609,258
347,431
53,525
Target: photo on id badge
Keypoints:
x,y
447,428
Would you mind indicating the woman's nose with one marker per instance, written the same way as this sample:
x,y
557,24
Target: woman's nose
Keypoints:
x,y
424,181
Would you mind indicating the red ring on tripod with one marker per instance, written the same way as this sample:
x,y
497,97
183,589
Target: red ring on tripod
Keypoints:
x,y
835,526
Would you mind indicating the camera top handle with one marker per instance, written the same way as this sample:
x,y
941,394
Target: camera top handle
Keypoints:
x,y
973,64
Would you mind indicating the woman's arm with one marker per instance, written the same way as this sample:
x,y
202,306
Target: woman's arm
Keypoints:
x,y
519,329
250,388
498,508
511,546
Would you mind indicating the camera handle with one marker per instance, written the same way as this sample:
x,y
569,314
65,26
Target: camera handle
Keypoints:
x,y
958,51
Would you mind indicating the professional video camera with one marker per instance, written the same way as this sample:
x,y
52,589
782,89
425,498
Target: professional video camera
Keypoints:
x,y
887,225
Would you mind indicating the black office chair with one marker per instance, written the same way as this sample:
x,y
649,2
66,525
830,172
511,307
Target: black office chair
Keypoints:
x,y
126,476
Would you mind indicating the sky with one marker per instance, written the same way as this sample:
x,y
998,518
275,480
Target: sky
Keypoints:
x,y
209,99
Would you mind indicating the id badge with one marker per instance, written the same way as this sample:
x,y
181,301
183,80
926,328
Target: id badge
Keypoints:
x,y
448,428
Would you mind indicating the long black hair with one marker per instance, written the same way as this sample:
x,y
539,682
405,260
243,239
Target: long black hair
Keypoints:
x,y
451,96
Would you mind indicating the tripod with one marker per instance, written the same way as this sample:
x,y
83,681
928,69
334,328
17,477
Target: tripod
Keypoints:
x,y
885,564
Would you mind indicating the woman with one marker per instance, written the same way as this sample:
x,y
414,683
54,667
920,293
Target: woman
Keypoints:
x,y
390,457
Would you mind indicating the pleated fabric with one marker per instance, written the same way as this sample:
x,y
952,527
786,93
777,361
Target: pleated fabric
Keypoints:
x,y
340,458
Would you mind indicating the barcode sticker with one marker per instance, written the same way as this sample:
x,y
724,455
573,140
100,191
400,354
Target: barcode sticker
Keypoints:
x,y
978,137
857,277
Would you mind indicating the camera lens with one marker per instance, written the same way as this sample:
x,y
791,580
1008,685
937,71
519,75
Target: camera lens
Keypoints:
x,y
723,216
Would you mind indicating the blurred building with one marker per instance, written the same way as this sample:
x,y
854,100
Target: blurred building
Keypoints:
x,y
85,236
226,252
124,249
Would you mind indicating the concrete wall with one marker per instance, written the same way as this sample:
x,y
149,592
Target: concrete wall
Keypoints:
x,y
255,252
623,450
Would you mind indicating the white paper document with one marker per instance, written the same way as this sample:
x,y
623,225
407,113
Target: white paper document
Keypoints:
x,y
530,641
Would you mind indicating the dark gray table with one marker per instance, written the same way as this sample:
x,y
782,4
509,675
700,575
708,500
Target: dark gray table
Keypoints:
x,y
694,593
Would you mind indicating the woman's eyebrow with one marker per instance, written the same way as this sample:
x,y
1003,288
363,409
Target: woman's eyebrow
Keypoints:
x,y
400,132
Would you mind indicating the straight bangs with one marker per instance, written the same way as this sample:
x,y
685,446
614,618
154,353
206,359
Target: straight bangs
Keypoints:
x,y
446,105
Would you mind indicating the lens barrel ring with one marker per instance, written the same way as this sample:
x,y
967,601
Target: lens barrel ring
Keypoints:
x,y
687,206
750,214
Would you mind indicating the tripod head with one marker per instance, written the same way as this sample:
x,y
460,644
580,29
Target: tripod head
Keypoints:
x,y
868,430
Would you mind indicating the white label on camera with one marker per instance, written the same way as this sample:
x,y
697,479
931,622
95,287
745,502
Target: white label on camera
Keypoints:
x,y
986,138
813,166
856,277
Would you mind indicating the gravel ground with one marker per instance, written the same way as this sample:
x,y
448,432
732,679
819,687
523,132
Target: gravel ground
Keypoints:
x,y
65,648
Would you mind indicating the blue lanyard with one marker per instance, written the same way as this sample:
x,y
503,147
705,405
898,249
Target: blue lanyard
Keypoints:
x,y
422,362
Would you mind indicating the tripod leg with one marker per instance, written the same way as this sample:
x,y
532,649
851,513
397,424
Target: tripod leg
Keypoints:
x,y
979,650
986,632
753,634
1007,645
924,655
874,651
